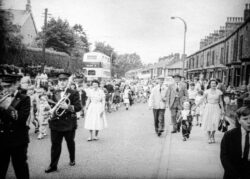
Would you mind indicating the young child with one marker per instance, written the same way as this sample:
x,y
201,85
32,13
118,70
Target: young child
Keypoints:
x,y
185,119
192,93
43,115
198,109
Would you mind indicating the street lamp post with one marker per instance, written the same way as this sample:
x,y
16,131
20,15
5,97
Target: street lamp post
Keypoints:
x,y
184,46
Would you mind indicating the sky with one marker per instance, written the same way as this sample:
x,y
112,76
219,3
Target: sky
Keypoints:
x,y
141,26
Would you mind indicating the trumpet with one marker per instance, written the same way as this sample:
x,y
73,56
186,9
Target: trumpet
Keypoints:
x,y
56,109
4,97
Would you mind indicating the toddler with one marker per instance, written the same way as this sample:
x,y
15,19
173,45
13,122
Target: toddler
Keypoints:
x,y
185,120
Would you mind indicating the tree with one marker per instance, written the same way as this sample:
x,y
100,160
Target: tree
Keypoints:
x,y
127,62
81,41
10,37
58,35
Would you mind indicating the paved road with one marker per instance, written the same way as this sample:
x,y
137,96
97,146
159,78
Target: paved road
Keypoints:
x,y
129,148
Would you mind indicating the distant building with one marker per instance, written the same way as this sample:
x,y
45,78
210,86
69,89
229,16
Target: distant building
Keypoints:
x,y
166,66
25,20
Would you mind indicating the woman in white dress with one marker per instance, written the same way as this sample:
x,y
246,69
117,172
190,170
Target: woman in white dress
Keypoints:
x,y
213,110
95,116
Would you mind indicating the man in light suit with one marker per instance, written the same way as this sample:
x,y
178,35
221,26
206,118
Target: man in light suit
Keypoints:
x,y
175,96
157,102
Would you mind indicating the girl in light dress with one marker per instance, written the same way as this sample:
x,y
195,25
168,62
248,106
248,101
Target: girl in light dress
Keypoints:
x,y
198,112
213,110
43,115
126,96
95,119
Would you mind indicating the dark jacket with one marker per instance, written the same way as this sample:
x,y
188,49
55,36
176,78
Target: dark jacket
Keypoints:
x,y
231,156
83,97
15,132
68,121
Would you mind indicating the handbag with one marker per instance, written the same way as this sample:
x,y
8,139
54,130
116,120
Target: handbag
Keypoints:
x,y
223,124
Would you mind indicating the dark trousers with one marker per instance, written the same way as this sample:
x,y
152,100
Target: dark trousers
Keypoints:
x,y
175,112
56,147
159,120
186,127
18,157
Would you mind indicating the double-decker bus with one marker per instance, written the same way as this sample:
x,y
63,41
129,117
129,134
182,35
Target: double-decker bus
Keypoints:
x,y
96,65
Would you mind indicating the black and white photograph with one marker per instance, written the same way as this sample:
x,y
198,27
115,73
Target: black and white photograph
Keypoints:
x,y
124,89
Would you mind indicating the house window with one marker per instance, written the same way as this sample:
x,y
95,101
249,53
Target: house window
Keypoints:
x,y
235,50
227,54
241,45
222,55
213,57
208,54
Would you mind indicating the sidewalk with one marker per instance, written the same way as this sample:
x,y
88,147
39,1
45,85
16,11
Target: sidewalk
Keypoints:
x,y
194,158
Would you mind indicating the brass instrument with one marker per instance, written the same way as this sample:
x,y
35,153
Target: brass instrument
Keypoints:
x,y
4,97
65,99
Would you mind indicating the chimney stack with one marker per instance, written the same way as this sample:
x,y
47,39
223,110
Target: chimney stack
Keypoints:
x,y
247,12
28,6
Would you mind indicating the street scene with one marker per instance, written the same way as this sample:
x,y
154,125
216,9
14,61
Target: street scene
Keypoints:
x,y
125,89
129,148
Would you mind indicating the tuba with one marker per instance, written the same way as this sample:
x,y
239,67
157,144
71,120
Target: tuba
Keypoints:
x,y
56,110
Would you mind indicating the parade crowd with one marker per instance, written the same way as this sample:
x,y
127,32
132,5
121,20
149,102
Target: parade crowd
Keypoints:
x,y
57,104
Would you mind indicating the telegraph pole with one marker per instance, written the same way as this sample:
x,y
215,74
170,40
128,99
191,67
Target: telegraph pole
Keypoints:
x,y
44,36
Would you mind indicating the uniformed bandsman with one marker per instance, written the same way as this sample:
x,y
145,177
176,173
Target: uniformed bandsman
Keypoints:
x,y
14,137
63,126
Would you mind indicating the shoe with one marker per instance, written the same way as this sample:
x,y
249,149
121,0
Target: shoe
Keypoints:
x,y
188,136
173,132
184,139
89,139
40,136
95,138
212,140
51,169
159,134
209,141
72,163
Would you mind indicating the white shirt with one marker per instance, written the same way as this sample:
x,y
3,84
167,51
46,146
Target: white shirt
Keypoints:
x,y
197,86
184,114
243,141
192,94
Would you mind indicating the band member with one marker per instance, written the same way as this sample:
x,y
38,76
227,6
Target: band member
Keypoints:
x,y
14,137
176,94
63,124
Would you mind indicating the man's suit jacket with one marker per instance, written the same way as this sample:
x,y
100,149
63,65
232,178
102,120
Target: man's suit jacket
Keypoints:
x,y
14,132
157,97
68,121
171,94
231,156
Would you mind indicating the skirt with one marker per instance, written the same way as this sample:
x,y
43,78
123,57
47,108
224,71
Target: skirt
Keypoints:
x,y
211,117
93,119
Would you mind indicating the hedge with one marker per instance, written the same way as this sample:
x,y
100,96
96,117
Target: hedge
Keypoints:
x,y
34,57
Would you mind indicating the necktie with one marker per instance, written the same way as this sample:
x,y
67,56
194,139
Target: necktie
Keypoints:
x,y
246,149
177,88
